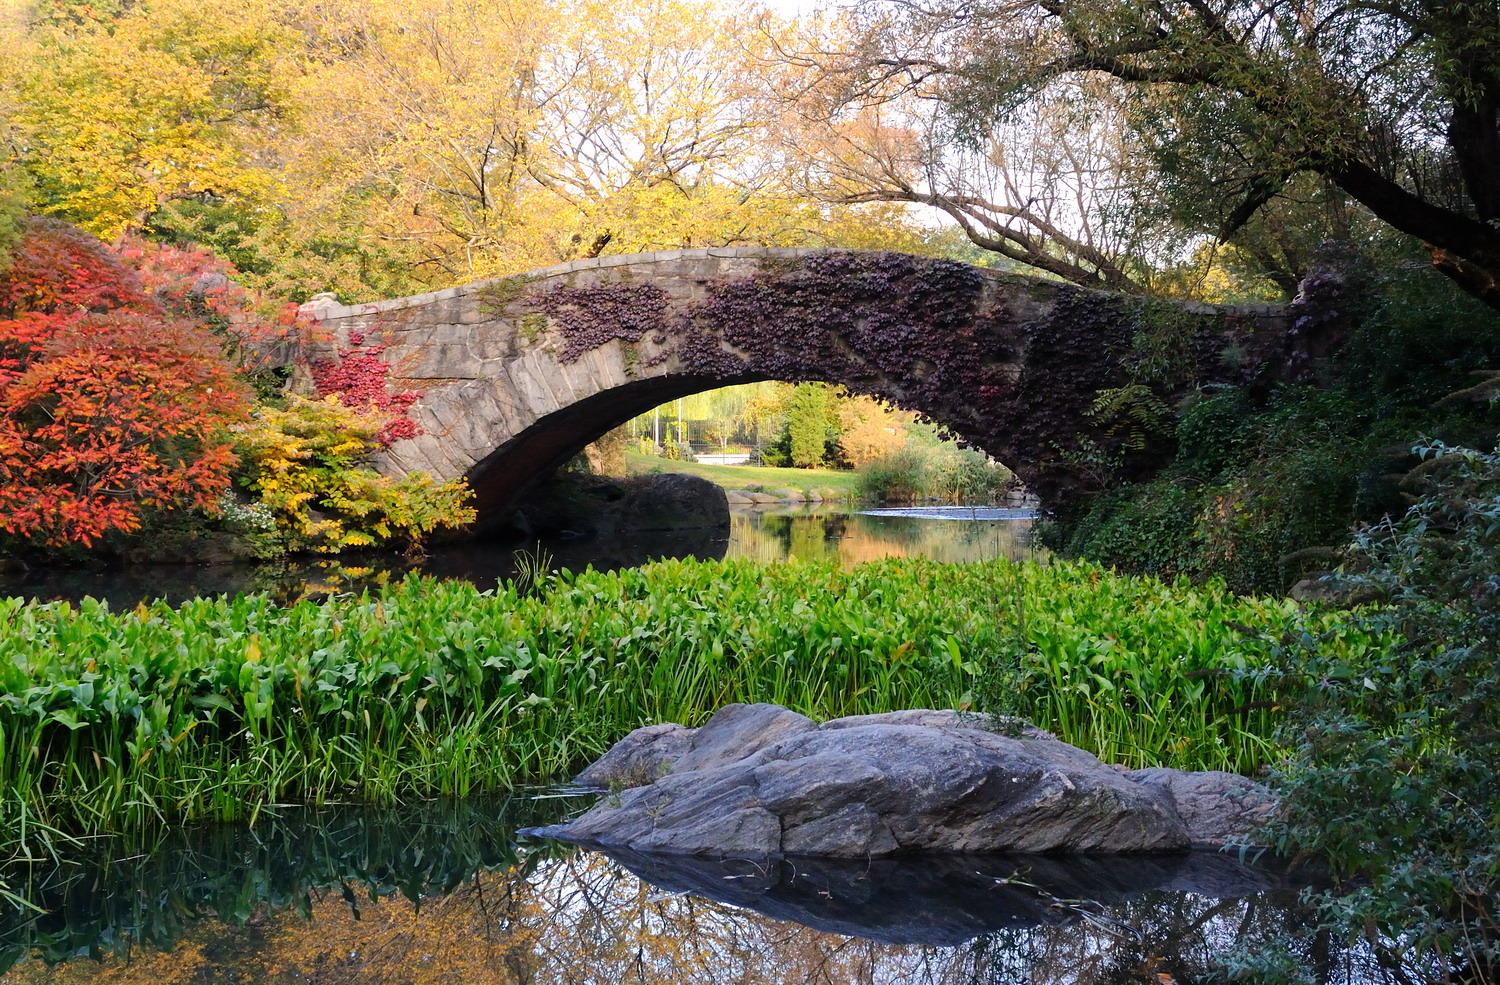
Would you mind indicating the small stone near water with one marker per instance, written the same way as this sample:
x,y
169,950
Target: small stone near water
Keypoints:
x,y
760,780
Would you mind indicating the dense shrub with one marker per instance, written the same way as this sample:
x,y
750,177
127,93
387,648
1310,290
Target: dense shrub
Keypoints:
x,y
965,475
113,403
1262,475
1392,772
1213,431
942,470
1146,529
306,464
901,477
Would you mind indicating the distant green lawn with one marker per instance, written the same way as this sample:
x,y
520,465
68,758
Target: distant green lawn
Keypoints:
x,y
748,476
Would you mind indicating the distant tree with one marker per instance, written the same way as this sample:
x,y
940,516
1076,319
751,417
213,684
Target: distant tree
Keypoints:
x,y
810,422
870,430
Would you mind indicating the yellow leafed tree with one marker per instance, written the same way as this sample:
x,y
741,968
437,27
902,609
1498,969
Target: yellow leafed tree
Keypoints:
x,y
115,118
381,147
496,136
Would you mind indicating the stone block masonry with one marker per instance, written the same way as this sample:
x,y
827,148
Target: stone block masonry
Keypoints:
x,y
517,374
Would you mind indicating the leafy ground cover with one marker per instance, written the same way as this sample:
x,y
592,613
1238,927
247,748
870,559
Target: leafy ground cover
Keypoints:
x,y
1389,773
751,476
111,721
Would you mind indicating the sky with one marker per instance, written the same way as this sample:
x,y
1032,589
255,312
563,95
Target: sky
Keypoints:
x,y
790,8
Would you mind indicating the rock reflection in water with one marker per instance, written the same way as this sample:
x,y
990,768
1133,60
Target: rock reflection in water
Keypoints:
x,y
945,900
432,896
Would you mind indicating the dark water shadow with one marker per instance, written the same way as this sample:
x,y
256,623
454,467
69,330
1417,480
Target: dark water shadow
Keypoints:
x,y
824,532
481,563
361,896
945,900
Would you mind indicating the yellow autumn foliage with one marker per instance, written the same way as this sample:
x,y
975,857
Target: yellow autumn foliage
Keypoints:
x,y
377,147
120,116
308,464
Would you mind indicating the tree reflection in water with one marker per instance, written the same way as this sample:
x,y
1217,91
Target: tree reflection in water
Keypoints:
x,y
823,532
446,895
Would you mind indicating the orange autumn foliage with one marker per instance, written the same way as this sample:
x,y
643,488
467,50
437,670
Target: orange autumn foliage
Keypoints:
x,y
111,402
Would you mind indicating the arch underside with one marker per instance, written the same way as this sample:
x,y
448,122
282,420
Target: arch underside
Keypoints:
x,y
504,477
512,470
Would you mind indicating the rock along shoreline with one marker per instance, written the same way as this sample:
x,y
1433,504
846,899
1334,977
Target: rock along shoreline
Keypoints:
x,y
760,780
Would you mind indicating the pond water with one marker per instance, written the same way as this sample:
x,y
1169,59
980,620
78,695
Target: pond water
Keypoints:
x,y
769,535
451,893
448,893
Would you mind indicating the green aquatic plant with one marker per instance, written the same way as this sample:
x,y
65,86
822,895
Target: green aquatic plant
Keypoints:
x,y
112,721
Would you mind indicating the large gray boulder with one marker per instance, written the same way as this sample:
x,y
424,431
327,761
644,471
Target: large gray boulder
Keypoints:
x,y
760,780
1218,808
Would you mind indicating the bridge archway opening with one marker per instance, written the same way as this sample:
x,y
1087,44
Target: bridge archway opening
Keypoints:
x,y
516,468
535,454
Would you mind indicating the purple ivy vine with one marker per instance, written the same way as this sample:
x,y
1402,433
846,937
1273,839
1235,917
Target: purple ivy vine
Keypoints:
x,y
1013,371
589,317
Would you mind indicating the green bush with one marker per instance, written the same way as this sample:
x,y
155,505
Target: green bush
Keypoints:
x,y
1393,774
901,477
964,475
1214,431
1242,529
1261,474
942,471
1147,529
307,467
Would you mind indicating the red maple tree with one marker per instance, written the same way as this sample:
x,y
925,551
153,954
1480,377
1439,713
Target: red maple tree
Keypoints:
x,y
111,401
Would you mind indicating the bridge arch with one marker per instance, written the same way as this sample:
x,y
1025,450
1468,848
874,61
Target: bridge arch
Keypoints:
x,y
517,374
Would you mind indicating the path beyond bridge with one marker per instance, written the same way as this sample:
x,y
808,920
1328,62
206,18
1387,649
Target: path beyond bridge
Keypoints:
x,y
517,374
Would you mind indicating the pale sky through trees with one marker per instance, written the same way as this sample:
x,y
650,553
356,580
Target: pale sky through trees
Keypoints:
x,y
787,8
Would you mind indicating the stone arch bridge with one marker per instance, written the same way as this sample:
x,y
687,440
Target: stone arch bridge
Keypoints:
x,y
517,374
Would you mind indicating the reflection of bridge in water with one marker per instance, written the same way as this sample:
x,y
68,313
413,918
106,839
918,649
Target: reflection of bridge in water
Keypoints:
x,y
519,374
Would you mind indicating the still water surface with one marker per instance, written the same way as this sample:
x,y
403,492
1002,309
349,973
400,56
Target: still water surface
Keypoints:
x,y
449,893
955,534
